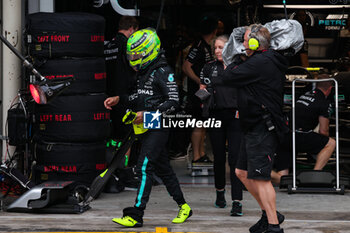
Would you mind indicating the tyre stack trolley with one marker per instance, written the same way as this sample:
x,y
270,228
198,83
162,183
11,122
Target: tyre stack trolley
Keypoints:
x,y
69,132
310,180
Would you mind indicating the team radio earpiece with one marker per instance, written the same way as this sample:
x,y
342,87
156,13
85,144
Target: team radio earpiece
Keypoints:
x,y
253,42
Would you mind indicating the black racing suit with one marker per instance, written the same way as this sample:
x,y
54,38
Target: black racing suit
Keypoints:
x,y
223,107
156,89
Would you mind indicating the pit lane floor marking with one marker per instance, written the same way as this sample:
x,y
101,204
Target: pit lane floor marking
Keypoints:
x,y
221,218
158,230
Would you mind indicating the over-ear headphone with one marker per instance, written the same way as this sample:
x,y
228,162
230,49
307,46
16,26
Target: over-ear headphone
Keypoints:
x,y
253,41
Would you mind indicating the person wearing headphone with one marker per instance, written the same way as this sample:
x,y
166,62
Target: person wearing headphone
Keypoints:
x,y
259,81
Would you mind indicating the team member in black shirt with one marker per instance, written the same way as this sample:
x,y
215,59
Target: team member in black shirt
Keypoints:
x,y
311,109
120,76
199,55
223,107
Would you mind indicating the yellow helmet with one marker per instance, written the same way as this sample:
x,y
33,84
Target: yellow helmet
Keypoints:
x,y
142,48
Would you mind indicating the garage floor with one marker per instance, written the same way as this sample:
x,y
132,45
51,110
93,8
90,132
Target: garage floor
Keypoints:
x,y
304,212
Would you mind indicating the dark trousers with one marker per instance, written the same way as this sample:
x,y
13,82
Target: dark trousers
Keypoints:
x,y
153,158
229,131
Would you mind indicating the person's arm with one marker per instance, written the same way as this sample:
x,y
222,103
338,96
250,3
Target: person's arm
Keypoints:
x,y
202,86
170,93
114,100
205,76
138,118
111,101
304,60
324,126
195,56
187,69
129,100
243,74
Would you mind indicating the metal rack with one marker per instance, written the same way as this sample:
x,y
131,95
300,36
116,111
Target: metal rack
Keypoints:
x,y
338,188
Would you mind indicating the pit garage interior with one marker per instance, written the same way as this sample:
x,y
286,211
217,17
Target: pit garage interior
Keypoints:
x,y
319,209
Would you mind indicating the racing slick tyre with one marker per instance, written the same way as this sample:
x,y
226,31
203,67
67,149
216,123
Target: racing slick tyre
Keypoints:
x,y
73,34
80,118
79,162
89,73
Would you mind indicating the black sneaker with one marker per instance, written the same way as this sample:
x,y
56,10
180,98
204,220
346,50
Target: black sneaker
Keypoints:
x,y
205,159
220,199
236,209
274,230
262,225
196,161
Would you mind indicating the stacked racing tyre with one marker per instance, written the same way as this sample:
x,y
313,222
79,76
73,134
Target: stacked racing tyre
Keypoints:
x,y
79,162
55,35
69,132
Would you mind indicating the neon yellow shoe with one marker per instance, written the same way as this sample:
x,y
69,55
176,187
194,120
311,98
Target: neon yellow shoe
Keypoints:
x,y
184,213
127,221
